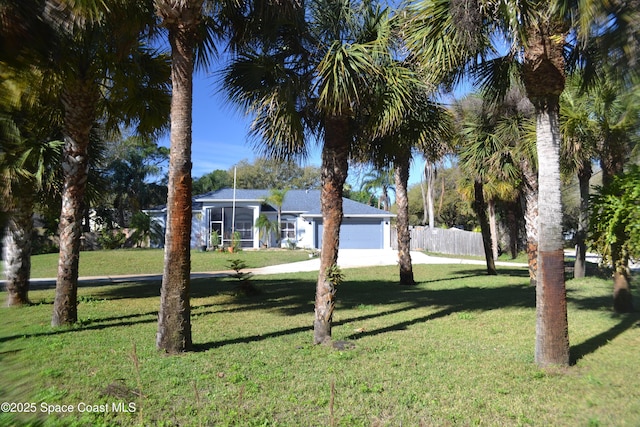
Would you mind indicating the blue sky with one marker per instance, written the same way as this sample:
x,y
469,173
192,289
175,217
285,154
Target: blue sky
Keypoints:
x,y
219,131
220,138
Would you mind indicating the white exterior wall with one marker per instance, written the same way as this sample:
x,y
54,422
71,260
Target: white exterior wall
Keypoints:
x,y
387,234
305,233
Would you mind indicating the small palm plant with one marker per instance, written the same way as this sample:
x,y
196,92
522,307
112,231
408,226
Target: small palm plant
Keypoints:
x,y
265,228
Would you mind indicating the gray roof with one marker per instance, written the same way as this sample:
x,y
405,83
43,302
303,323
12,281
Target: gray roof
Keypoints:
x,y
305,202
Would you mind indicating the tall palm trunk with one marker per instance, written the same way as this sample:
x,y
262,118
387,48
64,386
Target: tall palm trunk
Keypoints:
x,y
512,220
530,200
430,177
401,175
543,74
493,227
552,336
480,207
335,155
174,317
580,265
79,100
17,251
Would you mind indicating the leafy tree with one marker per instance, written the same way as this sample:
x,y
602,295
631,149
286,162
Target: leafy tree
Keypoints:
x,y
212,181
615,226
131,164
266,173
578,152
476,149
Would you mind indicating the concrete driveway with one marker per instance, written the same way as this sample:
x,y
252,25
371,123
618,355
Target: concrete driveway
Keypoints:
x,y
347,258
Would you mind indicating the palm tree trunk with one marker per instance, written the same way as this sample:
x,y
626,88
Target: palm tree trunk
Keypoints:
x,y
493,228
425,206
512,219
530,201
430,181
552,336
481,210
17,251
404,236
544,80
79,102
174,317
335,154
580,266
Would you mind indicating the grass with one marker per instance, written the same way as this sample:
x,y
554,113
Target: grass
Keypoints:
x,y
456,349
150,261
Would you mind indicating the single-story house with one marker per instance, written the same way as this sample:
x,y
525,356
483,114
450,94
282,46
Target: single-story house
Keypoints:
x,y
227,211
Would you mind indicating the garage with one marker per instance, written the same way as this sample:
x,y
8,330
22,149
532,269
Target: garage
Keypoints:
x,y
358,233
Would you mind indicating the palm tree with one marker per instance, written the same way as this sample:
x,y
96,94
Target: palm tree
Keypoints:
x,y
308,74
29,121
456,36
516,130
451,37
183,20
577,155
265,228
423,127
477,152
277,197
381,178
84,51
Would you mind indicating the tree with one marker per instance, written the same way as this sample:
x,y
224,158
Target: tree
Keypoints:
x,y
76,47
615,120
182,19
456,36
266,173
212,181
423,127
452,37
29,155
577,155
146,229
615,226
89,61
382,178
265,228
276,197
131,164
308,74
477,152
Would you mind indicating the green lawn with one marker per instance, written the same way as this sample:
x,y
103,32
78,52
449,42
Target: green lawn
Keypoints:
x,y
150,261
455,350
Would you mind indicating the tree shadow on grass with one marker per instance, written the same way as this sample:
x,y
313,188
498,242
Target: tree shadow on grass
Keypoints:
x,y
95,325
292,297
591,345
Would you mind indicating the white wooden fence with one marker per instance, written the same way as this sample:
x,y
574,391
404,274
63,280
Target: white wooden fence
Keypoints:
x,y
445,241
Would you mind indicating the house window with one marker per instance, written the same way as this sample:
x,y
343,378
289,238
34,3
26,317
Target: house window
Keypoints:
x,y
287,230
